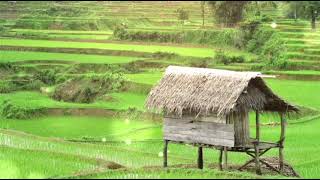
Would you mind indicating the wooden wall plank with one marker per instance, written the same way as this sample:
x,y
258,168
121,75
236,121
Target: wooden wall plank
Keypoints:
x,y
189,131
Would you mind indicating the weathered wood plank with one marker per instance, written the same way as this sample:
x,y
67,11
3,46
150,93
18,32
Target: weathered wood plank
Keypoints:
x,y
241,128
189,131
203,140
204,133
207,125
209,118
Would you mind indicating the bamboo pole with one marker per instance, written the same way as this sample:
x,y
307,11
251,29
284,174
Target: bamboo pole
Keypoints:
x,y
225,157
200,158
165,153
220,159
257,126
282,138
257,161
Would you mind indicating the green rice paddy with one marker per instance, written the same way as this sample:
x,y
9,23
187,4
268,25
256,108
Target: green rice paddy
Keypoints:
x,y
17,56
183,51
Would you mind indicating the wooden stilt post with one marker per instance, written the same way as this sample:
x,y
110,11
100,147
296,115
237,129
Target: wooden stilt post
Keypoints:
x,y
282,138
256,144
225,150
200,158
220,159
257,126
257,161
165,153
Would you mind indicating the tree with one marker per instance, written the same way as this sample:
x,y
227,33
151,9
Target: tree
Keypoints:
x,y
228,13
183,15
203,3
313,7
305,9
295,7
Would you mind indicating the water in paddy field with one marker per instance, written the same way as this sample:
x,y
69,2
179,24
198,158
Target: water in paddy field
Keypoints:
x,y
109,130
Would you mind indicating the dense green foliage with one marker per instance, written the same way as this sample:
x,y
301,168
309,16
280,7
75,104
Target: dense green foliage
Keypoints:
x,y
271,48
86,89
225,37
221,57
47,76
12,111
7,86
183,15
228,13
304,9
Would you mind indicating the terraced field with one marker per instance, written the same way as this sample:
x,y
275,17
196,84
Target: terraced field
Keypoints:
x,y
302,42
113,135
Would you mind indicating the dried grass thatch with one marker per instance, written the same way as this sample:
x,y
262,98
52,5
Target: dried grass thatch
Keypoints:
x,y
205,91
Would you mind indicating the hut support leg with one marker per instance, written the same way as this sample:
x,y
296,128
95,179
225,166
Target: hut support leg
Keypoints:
x,y
220,159
200,158
282,138
257,126
257,161
165,153
225,157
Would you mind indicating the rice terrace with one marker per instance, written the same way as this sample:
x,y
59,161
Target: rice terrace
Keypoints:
x,y
159,90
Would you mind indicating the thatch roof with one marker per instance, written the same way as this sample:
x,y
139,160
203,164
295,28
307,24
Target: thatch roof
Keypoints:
x,y
205,91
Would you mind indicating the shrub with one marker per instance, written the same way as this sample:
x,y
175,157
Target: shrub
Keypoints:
x,y
244,35
221,57
273,52
10,110
218,37
87,88
266,18
6,66
164,55
47,76
237,59
120,32
61,78
33,85
203,63
259,38
131,67
7,86
183,15
2,29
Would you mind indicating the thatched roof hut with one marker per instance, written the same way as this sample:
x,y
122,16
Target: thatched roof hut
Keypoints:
x,y
204,91
210,108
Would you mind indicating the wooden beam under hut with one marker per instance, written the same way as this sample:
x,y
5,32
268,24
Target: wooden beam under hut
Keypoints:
x,y
200,157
